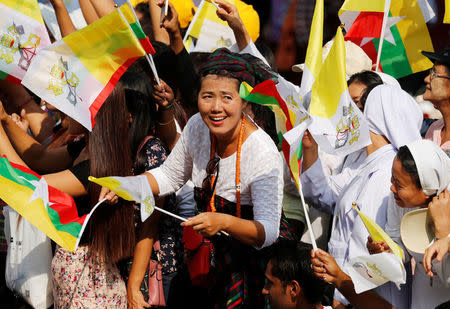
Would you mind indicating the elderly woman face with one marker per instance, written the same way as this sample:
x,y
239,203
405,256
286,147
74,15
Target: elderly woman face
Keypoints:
x,y
220,105
404,188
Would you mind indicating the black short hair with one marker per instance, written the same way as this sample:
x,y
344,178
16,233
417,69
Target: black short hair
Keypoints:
x,y
291,260
446,65
367,78
409,165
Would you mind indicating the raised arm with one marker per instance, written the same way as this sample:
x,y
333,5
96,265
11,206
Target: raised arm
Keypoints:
x,y
159,34
88,10
40,123
36,156
103,7
171,25
167,129
229,13
62,16
325,268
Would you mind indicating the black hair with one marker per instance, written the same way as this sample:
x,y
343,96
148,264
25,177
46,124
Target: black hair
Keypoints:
x,y
367,78
267,53
138,96
220,73
446,65
409,165
365,95
291,260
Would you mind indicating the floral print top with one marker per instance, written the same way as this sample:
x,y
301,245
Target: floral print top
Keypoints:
x,y
170,231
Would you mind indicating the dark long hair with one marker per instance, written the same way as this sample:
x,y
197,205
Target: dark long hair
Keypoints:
x,y
111,227
140,104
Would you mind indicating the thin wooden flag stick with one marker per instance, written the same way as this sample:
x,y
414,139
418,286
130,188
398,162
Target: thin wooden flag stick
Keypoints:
x,y
308,221
147,56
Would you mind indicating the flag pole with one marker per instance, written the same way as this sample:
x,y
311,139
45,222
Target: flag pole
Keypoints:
x,y
147,56
308,222
86,221
387,6
182,219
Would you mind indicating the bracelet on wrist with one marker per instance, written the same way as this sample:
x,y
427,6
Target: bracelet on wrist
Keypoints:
x,y
167,107
166,123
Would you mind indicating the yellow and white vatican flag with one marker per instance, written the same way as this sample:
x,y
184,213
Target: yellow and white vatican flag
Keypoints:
x,y
313,59
131,189
207,31
368,272
338,125
22,36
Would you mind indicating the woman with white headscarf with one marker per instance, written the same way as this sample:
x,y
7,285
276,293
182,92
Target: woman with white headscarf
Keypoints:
x,y
394,120
420,171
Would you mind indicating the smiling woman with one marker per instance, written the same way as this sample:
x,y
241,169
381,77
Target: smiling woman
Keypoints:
x,y
238,177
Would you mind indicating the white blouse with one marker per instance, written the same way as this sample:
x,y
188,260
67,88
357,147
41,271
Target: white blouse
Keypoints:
x,y
261,172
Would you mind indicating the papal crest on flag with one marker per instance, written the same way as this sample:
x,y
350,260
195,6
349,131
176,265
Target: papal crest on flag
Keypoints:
x,y
338,126
406,33
131,189
22,35
207,31
77,73
368,272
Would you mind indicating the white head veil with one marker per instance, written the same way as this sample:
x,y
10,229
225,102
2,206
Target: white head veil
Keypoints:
x,y
393,113
433,166
388,79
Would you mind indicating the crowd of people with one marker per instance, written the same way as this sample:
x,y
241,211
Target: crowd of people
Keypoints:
x,y
214,159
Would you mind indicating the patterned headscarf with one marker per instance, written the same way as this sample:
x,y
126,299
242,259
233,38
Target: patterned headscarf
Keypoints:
x,y
244,67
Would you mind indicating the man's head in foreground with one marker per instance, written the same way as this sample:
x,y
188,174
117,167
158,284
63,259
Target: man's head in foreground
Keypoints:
x,y
290,280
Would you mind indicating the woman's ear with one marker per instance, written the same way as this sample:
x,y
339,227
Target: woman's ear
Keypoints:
x,y
129,118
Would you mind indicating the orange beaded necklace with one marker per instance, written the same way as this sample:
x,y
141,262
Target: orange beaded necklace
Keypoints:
x,y
238,170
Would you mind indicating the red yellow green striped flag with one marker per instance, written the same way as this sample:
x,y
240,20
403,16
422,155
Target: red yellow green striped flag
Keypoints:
x,y
127,11
291,121
77,73
287,114
22,35
50,210
405,37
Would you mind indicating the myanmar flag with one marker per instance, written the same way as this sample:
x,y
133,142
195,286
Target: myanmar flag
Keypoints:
x,y
50,210
78,73
22,35
292,150
287,115
406,33
291,121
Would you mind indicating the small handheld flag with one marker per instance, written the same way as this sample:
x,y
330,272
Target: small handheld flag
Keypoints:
x,y
131,189
50,210
77,73
368,272
378,234
22,36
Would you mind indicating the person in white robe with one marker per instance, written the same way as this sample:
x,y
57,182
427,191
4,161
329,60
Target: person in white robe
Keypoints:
x,y
394,120
412,189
